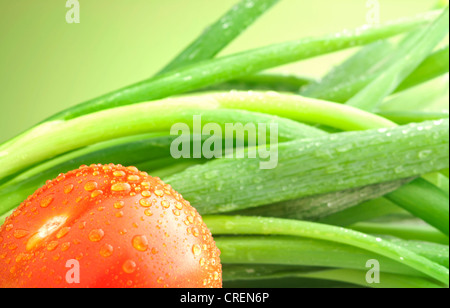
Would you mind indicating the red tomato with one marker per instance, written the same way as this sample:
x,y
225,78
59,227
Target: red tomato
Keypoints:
x,y
107,226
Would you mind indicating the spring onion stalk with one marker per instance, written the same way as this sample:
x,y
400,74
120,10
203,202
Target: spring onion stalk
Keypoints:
x,y
412,52
63,136
350,77
252,271
221,33
263,82
289,283
435,252
275,226
160,115
318,207
431,207
405,117
365,211
433,66
327,164
404,231
358,278
431,96
439,180
133,150
295,251
219,70
274,275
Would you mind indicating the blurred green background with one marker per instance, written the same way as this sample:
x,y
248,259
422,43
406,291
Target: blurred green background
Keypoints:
x,y
48,65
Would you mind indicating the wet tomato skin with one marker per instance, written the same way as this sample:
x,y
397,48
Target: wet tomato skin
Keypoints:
x,y
107,226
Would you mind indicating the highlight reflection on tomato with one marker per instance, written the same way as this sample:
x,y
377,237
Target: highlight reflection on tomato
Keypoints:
x,y
122,228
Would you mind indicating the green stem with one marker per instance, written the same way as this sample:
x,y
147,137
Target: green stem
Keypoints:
x,y
431,207
216,71
368,210
295,251
409,116
263,82
359,278
275,226
221,33
433,66
406,232
409,56
157,116
317,166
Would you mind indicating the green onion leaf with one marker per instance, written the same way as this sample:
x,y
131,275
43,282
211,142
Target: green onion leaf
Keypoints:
x,y
221,33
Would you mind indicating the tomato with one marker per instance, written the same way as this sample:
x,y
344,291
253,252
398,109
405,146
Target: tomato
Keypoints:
x,y
107,226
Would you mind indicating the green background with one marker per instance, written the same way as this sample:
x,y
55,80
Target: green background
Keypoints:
x,y
48,65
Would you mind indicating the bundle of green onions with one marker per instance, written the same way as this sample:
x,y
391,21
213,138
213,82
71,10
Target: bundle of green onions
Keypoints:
x,y
363,153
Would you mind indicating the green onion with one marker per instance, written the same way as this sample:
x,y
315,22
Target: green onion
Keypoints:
x,y
433,66
318,207
276,275
350,77
296,251
218,70
275,226
322,165
412,52
221,33
413,231
431,207
365,211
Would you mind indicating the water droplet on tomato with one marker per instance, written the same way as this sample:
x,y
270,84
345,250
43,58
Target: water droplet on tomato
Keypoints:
x,y
119,204
129,266
134,178
178,205
96,235
165,204
52,245
68,188
46,201
196,249
119,174
133,169
90,186
148,212
121,187
96,193
61,233
140,242
195,232
65,246
159,193
146,193
19,233
106,250
145,202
